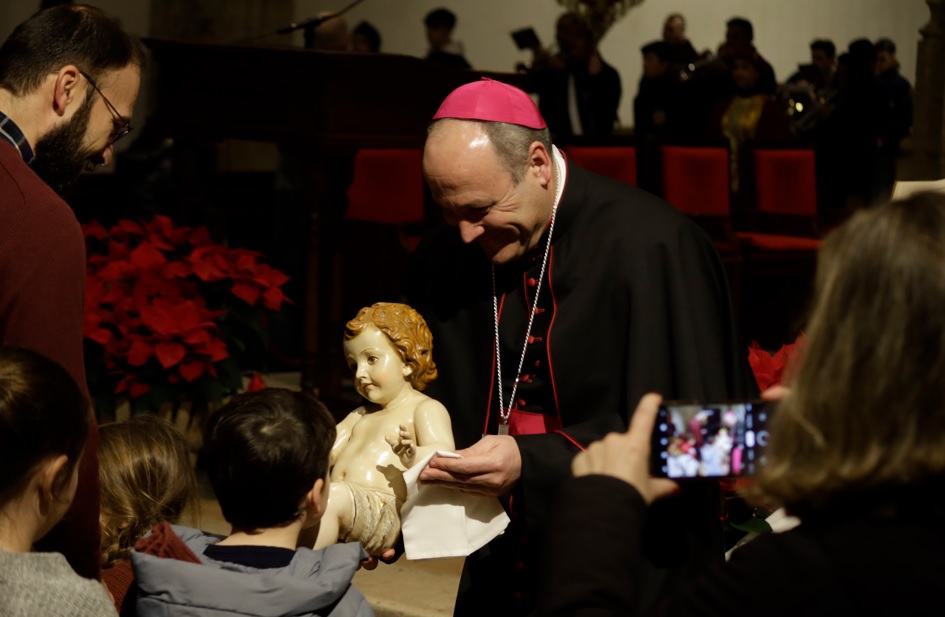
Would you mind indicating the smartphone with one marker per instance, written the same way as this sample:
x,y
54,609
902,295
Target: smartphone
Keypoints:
x,y
526,38
710,440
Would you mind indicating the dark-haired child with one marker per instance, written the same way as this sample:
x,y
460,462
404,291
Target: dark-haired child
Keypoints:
x,y
267,460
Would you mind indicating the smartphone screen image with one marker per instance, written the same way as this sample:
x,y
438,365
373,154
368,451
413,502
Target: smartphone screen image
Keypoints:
x,y
699,440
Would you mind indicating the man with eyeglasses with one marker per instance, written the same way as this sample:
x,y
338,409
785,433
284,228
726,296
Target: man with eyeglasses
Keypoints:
x,y
69,77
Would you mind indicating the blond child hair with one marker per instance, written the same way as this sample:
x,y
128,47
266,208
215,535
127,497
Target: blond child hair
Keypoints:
x,y
146,477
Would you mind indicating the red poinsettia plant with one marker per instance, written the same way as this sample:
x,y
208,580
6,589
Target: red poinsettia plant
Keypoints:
x,y
169,313
769,369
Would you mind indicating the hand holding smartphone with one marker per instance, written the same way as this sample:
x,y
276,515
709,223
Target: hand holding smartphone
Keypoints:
x,y
709,440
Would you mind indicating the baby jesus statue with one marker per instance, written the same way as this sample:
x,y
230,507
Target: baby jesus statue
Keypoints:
x,y
388,347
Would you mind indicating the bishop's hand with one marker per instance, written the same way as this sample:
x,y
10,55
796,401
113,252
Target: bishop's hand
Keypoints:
x,y
491,467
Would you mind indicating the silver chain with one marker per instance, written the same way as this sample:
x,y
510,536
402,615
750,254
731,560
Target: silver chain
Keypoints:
x,y
504,412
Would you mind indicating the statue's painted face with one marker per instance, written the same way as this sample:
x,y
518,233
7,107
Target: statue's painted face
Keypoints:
x,y
379,373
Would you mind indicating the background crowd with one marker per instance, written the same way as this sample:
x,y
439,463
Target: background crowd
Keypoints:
x,y
851,104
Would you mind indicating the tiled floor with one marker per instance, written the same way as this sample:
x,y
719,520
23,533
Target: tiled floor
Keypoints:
x,y
406,588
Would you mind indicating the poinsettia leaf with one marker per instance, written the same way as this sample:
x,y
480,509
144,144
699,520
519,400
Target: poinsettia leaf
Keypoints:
x,y
217,350
100,335
190,371
130,227
762,369
137,389
162,318
273,298
177,269
246,292
200,237
169,354
94,229
256,383
139,353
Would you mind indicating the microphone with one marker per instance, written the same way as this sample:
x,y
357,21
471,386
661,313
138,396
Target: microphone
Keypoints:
x,y
312,22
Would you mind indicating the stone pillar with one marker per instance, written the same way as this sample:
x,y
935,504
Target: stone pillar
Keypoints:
x,y
928,161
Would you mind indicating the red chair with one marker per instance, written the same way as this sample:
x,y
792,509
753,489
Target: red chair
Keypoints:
x,y
695,182
784,188
616,162
781,244
387,187
785,182
695,179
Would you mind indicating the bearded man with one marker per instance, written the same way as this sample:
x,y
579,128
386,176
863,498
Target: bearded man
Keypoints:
x,y
69,78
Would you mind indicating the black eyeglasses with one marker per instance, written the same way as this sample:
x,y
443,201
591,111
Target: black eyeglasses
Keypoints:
x,y
120,130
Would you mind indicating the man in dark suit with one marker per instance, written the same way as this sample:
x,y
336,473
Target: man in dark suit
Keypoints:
x,y
443,50
578,92
895,122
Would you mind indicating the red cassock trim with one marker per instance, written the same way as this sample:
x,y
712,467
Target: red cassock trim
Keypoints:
x,y
554,314
777,242
572,440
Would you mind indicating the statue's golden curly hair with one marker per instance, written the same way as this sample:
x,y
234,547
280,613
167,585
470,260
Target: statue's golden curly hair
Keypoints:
x,y
407,331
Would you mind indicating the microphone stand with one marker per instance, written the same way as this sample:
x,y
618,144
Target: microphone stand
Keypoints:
x,y
308,27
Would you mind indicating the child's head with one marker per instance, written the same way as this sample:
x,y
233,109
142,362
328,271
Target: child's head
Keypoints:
x,y
146,477
44,422
265,451
407,331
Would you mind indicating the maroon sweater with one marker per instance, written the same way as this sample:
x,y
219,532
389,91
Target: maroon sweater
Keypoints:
x,y
42,297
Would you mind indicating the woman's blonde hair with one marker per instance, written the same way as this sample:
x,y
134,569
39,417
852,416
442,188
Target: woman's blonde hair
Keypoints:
x,y
407,332
867,406
146,477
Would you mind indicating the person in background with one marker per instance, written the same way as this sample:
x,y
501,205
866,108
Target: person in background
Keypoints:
x,y
856,451
740,35
656,104
657,108
847,136
365,39
895,122
331,34
679,50
820,74
813,88
751,113
147,477
69,78
711,84
578,92
440,24
44,418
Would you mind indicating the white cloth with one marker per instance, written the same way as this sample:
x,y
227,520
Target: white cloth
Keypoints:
x,y
779,521
443,522
574,114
